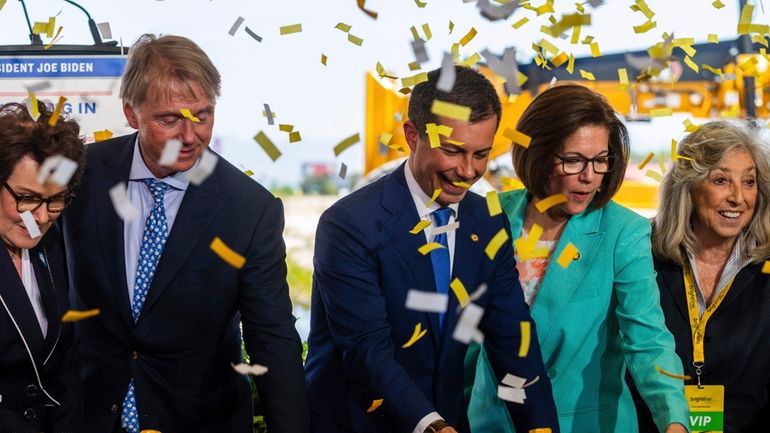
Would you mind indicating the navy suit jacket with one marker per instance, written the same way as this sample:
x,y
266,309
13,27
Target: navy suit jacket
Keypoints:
x,y
365,263
39,387
180,350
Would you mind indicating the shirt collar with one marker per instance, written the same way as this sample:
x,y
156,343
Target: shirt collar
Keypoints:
x,y
420,198
139,171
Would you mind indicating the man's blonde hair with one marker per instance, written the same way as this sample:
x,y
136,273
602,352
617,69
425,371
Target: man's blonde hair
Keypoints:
x,y
159,61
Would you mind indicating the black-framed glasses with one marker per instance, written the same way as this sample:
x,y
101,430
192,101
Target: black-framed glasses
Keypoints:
x,y
30,202
576,164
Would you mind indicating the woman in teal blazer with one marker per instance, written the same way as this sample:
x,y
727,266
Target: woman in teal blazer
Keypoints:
x,y
589,277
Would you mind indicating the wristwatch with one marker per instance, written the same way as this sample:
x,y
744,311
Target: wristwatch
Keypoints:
x,y
436,426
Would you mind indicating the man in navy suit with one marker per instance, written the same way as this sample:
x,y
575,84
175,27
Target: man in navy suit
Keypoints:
x,y
362,376
160,354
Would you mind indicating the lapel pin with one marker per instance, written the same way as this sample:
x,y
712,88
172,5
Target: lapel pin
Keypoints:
x,y
577,256
474,237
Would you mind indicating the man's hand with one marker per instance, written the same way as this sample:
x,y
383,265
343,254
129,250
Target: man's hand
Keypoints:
x,y
676,428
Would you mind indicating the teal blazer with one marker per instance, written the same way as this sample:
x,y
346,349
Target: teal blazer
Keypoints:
x,y
595,319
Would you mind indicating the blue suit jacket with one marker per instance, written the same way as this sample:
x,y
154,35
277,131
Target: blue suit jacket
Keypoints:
x,y
598,317
365,263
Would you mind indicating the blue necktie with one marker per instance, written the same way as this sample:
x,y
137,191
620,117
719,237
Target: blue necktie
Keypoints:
x,y
153,239
440,256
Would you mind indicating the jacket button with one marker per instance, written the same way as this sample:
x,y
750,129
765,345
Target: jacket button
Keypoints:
x,y
135,355
32,390
114,408
29,414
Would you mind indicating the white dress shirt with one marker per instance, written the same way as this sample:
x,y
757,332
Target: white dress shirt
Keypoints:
x,y
33,291
420,201
141,198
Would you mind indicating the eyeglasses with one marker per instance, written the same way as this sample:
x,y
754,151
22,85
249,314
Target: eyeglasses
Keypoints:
x,y
30,202
576,164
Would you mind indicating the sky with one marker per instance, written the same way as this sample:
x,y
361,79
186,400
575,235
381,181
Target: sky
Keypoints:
x,y
326,103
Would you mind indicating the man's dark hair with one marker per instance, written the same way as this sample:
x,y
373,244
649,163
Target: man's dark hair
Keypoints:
x,y
471,89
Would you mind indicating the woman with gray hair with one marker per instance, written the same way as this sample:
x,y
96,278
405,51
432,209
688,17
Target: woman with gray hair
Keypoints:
x,y
710,240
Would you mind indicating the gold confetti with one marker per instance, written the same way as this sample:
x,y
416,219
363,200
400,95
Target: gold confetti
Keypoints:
x,y
520,23
654,175
661,112
430,246
267,145
294,137
344,144
497,241
461,184
342,26
689,126
450,110
595,50
526,336
420,4
414,79
717,4
645,27
672,375
717,71
571,64
493,203
766,267
102,135
692,65
57,112
436,193
426,30
623,77
75,315
468,36
460,292
550,201
416,335
646,160
355,39
285,127
587,75
248,173
323,59
560,59
293,28
385,138
433,131
375,404
420,226
188,115
517,137
371,14
713,38
567,255
225,253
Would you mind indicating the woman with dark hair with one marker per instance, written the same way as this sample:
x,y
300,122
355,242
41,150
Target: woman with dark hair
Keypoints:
x,y
709,242
585,266
39,386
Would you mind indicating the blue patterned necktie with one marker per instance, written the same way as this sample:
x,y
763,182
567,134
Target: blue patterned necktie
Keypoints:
x,y
440,256
153,239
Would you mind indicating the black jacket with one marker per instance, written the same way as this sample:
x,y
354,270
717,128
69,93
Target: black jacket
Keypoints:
x,y
737,346
39,388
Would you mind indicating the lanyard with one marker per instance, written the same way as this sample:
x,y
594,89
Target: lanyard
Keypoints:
x,y
697,322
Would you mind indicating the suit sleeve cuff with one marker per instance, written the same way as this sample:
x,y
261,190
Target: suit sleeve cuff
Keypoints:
x,y
426,421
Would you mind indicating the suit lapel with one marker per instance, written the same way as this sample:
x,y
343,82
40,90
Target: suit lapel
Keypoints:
x,y
110,226
49,295
397,200
199,207
559,284
16,302
742,280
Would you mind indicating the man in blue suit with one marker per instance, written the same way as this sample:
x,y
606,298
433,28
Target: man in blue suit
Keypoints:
x,y
362,376
160,354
